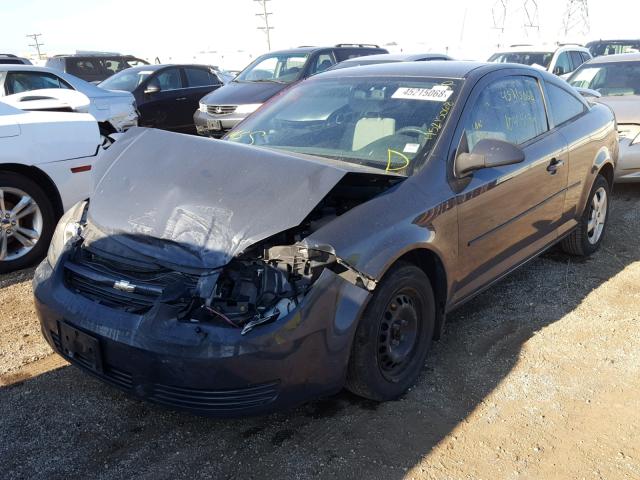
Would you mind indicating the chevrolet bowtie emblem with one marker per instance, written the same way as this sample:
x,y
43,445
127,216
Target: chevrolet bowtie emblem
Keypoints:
x,y
124,286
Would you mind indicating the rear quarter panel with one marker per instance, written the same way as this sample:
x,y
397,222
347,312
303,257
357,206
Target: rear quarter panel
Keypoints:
x,y
593,143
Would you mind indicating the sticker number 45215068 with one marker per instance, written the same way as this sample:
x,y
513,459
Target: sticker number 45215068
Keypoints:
x,y
439,93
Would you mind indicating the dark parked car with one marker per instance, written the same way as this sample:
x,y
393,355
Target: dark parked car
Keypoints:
x,y
94,67
613,47
9,59
166,95
226,279
389,58
265,77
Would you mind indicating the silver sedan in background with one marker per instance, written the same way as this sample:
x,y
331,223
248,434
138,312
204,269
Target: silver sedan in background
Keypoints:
x,y
616,79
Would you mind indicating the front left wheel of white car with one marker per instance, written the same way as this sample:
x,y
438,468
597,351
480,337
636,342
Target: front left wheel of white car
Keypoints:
x,y
27,221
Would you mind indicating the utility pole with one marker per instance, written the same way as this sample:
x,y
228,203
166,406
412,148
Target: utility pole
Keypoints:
x,y
36,43
267,28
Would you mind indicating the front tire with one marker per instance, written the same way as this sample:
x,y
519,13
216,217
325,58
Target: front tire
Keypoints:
x,y
393,336
27,221
588,234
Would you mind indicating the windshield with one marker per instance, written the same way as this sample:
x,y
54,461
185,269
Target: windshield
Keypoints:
x,y
609,79
390,124
525,58
281,68
126,80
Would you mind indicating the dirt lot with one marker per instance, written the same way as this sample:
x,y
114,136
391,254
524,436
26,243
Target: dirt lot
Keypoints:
x,y
539,377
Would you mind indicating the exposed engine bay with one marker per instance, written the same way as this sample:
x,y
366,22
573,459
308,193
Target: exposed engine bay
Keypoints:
x,y
271,278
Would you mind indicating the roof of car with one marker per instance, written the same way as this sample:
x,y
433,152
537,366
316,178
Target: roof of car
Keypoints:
x,y
310,49
436,68
621,57
35,68
540,48
395,57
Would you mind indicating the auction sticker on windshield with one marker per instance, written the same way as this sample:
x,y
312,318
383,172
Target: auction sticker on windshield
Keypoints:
x,y
439,93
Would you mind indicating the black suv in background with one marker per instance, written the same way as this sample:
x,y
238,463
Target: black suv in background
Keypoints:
x,y
266,76
613,47
9,59
94,67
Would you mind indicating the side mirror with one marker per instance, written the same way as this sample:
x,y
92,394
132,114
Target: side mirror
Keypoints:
x,y
486,154
152,88
559,70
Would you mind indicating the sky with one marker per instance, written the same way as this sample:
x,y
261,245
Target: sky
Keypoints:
x,y
225,31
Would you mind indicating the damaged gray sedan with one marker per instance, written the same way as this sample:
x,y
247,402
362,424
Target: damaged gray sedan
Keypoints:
x,y
323,243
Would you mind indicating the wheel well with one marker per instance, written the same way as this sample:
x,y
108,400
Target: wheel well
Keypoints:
x,y
42,179
607,172
431,264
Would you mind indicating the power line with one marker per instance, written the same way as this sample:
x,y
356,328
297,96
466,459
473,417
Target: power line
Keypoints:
x,y
576,17
267,28
36,43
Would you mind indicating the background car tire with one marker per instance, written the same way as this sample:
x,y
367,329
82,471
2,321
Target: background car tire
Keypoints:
x,y
39,250
370,372
579,242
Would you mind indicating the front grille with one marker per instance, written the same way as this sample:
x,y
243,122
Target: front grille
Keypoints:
x,y
221,109
119,285
215,400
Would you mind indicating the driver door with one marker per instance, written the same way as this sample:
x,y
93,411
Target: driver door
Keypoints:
x,y
507,214
163,109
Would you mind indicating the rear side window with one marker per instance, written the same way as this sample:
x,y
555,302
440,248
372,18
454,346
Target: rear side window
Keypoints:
x,y
17,82
510,109
11,61
562,104
199,77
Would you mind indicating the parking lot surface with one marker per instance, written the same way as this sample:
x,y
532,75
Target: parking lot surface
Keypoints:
x,y
538,377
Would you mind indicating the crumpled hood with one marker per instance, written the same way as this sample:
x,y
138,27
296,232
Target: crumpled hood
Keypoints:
x,y
242,93
625,107
196,202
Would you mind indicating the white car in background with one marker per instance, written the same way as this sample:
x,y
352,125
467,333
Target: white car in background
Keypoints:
x,y
115,111
46,162
559,60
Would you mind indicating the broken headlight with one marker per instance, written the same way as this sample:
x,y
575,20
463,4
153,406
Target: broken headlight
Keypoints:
x,y
69,226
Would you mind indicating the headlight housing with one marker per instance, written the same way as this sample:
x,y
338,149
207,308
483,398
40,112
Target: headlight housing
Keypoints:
x,y
202,107
69,226
248,108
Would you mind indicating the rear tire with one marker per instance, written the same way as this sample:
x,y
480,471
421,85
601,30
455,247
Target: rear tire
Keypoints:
x,y
588,234
393,336
15,255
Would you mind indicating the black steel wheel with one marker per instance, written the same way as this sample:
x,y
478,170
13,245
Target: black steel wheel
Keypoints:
x,y
393,336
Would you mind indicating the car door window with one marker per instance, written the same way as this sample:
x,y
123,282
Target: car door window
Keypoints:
x,y
563,65
169,79
563,105
510,109
200,77
324,61
18,82
576,59
585,57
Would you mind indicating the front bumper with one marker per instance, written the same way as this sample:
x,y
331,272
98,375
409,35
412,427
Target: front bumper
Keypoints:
x,y
204,122
206,368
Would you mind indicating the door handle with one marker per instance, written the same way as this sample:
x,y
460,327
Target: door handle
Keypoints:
x,y
180,99
553,166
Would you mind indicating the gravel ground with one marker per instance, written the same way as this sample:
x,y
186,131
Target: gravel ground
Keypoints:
x,y
539,377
